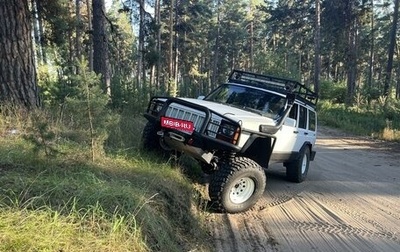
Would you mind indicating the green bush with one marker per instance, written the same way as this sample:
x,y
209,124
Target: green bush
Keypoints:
x,y
362,121
333,91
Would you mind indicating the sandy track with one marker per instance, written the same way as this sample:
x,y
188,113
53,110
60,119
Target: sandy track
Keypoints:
x,y
350,202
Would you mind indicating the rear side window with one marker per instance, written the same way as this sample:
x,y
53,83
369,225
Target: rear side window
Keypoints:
x,y
303,118
311,120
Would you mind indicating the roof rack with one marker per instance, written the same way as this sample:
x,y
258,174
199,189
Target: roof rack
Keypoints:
x,y
278,84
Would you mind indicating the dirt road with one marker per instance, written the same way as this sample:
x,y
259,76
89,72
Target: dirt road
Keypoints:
x,y
350,202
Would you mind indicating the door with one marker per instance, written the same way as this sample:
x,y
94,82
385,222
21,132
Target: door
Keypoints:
x,y
299,127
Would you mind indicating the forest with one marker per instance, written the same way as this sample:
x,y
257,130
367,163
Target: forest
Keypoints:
x,y
345,50
76,77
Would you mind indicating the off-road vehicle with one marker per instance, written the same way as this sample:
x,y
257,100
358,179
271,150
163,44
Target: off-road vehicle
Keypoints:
x,y
236,131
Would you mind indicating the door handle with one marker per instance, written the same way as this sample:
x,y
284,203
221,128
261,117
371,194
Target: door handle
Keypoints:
x,y
295,132
306,133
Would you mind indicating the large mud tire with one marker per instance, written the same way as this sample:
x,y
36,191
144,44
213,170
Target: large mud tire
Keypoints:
x,y
150,139
297,170
237,185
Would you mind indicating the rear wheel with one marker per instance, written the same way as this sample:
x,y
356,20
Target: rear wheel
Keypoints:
x,y
296,171
237,185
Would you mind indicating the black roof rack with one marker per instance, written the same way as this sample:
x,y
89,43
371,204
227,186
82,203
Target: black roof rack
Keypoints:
x,y
277,84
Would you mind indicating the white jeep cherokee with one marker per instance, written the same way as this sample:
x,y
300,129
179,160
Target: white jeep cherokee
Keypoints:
x,y
240,128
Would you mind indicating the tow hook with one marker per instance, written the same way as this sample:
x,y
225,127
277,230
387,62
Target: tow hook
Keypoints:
x,y
172,135
176,137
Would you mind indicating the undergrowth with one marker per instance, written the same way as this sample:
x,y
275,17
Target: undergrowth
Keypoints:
x,y
378,121
127,200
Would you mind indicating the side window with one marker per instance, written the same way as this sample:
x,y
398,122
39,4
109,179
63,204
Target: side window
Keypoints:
x,y
311,120
303,118
293,112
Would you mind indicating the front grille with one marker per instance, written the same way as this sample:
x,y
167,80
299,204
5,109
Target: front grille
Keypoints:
x,y
195,116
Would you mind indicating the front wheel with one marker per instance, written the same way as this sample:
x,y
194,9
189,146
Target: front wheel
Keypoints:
x,y
296,171
150,139
237,185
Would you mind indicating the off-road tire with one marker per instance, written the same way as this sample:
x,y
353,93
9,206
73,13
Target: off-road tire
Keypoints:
x,y
150,139
296,171
237,185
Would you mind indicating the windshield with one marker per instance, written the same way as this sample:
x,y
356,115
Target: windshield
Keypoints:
x,y
255,100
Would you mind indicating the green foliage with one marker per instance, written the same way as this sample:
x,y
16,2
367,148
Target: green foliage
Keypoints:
x,y
41,135
128,202
49,86
87,113
382,122
123,136
333,91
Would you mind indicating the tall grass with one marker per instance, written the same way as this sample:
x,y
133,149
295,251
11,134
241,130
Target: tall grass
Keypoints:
x,y
128,200
378,122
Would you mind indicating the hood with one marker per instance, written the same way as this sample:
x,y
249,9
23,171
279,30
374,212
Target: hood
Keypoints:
x,y
247,119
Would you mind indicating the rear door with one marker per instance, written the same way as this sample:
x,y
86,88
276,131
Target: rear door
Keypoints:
x,y
299,127
306,127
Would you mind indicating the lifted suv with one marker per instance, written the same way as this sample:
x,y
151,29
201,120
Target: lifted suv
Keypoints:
x,y
240,128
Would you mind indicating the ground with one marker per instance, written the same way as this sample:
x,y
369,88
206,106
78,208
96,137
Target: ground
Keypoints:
x,y
350,202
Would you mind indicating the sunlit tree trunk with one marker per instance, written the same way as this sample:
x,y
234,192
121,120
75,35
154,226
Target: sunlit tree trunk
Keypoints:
x,y
18,84
38,31
171,59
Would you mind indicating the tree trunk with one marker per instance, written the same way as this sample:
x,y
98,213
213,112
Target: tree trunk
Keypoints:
x,y
351,33
140,58
216,52
371,52
171,49
100,45
317,37
90,37
158,70
388,76
17,65
78,32
38,32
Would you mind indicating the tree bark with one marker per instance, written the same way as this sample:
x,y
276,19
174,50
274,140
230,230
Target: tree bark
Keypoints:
x,y
171,49
18,83
351,33
100,45
158,70
216,53
78,29
317,37
388,76
372,48
140,56
90,37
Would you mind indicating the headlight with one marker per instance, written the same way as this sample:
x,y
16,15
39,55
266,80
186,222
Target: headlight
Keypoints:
x,y
155,107
228,132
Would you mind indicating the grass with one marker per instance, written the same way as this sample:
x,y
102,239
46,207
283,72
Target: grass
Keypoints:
x,y
128,200
377,123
